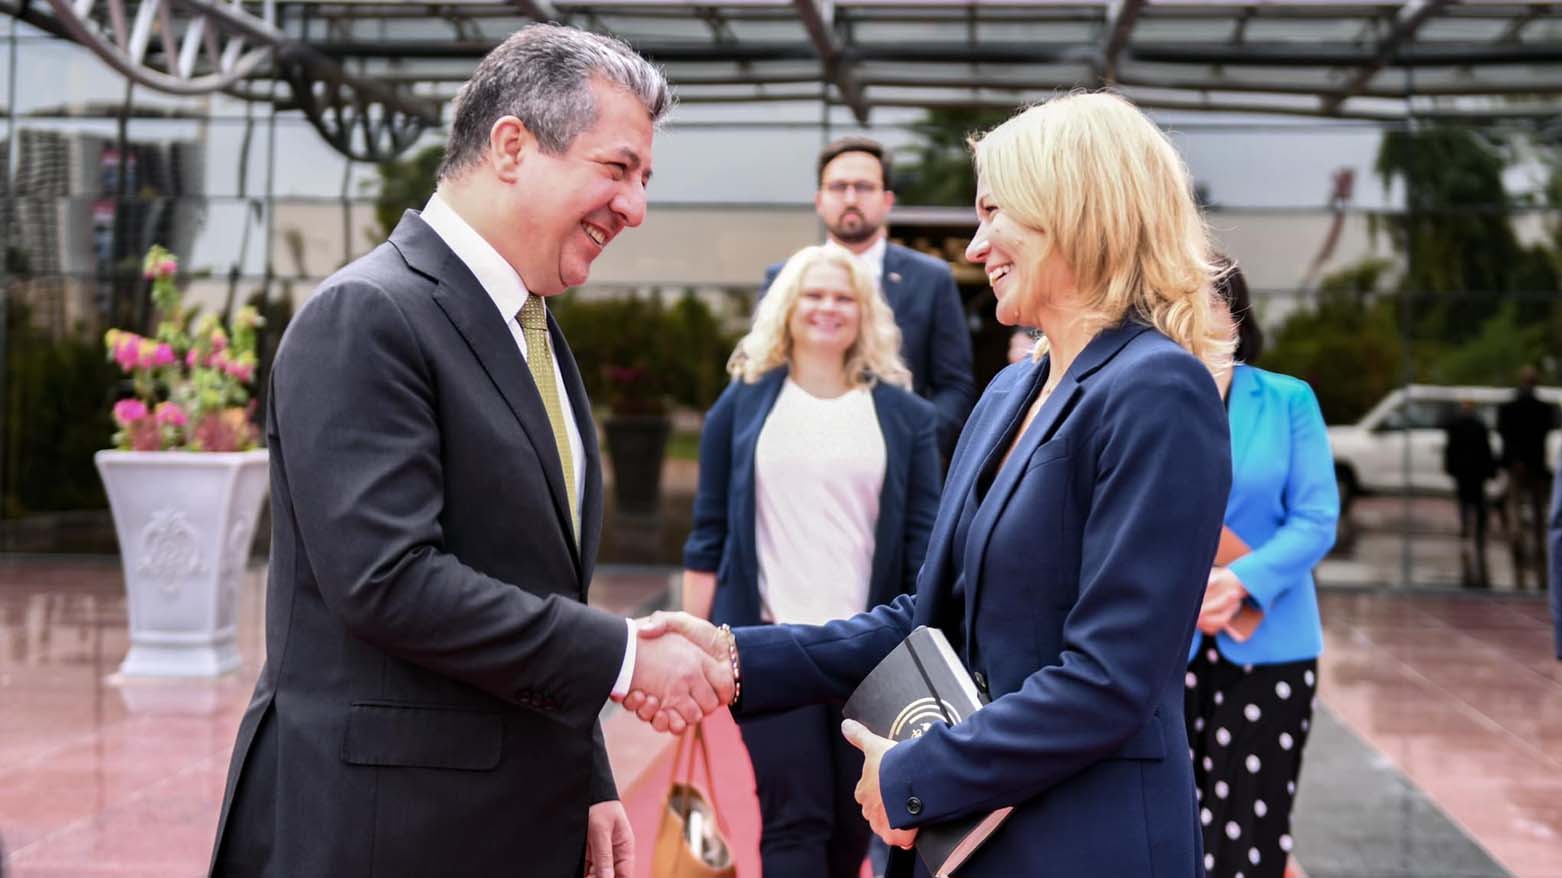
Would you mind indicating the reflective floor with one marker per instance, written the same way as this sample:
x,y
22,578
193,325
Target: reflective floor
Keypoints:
x,y
1443,723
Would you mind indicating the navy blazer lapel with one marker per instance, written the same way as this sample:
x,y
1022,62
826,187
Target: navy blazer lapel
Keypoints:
x,y
1244,411
468,307
892,279
1096,354
748,419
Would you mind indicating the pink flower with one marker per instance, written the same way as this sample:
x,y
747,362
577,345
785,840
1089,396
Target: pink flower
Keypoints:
x,y
219,339
193,358
127,352
169,414
244,372
147,353
163,356
128,411
168,267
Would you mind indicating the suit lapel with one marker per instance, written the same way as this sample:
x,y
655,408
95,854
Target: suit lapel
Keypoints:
x,y
1053,412
892,280
1245,413
468,307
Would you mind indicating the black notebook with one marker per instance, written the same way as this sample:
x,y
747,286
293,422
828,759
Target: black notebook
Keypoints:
x,y
922,682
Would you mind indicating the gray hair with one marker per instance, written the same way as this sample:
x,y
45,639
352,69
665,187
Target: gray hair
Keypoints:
x,y
542,75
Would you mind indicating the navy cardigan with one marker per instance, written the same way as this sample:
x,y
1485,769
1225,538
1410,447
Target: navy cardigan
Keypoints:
x,y
723,539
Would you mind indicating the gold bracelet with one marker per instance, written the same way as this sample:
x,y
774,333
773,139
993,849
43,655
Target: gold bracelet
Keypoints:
x,y
732,656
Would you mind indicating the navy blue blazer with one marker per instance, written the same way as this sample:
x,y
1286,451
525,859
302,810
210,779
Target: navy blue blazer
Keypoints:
x,y
934,340
723,538
1071,596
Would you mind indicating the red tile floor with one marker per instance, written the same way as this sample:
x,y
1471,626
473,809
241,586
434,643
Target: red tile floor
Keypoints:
x,y
101,777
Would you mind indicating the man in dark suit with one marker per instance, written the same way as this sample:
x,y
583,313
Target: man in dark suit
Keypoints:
x,y
1523,423
433,679
1555,536
853,201
1467,458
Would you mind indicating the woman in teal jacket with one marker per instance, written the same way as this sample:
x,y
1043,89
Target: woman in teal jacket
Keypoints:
x,y
1250,689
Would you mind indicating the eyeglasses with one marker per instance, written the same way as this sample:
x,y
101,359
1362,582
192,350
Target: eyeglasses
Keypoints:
x,y
861,187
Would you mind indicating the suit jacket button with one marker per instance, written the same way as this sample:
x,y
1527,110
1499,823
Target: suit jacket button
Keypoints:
x,y
913,806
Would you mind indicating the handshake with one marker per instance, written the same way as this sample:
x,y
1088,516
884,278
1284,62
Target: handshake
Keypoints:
x,y
684,671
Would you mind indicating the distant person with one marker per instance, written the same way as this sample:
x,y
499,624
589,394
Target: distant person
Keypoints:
x,y
819,478
1556,563
853,201
1468,459
1248,698
1523,423
1021,342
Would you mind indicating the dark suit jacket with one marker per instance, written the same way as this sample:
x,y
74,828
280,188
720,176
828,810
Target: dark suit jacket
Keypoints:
x,y
934,340
723,538
1071,596
1523,423
433,677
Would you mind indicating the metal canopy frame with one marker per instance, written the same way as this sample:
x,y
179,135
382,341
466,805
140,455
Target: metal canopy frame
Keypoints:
x,y
373,75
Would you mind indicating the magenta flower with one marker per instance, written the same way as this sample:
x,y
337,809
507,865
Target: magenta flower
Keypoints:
x,y
168,267
163,356
169,414
128,411
193,358
127,352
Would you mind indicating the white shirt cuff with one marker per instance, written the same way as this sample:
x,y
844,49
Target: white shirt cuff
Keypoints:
x,y
627,672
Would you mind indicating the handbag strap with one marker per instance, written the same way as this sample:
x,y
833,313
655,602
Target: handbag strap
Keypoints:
x,y
696,741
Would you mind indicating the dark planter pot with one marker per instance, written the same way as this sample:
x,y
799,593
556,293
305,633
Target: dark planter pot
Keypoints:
x,y
636,444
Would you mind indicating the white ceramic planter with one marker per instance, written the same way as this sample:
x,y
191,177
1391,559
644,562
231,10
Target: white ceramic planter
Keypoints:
x,y
185,521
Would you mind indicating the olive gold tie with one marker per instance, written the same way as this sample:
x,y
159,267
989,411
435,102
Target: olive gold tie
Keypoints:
x,y
539,358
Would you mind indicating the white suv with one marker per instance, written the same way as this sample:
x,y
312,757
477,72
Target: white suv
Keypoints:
x,y
1369,454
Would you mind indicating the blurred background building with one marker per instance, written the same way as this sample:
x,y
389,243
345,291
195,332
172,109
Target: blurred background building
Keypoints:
x,y
1389,177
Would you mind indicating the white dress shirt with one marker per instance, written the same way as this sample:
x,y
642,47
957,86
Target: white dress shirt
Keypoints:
x,y
871,260
508,292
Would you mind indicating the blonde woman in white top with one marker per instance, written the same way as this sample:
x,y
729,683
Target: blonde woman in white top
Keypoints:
x,y
819,477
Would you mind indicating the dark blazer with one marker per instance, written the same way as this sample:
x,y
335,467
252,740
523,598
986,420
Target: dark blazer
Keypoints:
x,y
934,340
1554,557
723,539
433,677
1070,586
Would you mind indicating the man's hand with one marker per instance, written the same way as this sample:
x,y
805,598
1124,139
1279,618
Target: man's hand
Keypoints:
x,y
675,684
610,846
1223,596
702,634
869,797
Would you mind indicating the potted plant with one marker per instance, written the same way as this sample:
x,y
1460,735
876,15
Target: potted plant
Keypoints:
x,y
636,427
185,481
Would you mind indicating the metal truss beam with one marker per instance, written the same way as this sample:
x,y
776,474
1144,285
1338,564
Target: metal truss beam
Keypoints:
x,y
836,68
1409,20
196,47
1119,27
539,10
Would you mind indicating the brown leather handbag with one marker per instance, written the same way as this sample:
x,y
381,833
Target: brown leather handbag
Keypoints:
x,y
692,839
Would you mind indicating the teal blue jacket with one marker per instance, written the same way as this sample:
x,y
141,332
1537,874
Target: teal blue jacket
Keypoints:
x,y
1284,504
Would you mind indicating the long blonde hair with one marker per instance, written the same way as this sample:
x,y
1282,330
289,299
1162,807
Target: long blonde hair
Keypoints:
x,y
875,355
1116,202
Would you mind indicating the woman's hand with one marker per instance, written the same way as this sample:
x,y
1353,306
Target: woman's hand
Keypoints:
x,y
1223,596
873,749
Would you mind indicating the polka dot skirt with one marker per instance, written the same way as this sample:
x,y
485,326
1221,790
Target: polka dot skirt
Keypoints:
x,y
1247,725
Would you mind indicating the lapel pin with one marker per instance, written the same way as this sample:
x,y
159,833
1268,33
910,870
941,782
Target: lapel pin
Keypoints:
x,y
894,277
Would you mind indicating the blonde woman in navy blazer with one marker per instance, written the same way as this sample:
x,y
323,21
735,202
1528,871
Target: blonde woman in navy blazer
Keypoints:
x,y
1249,702
1075,532
803,769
